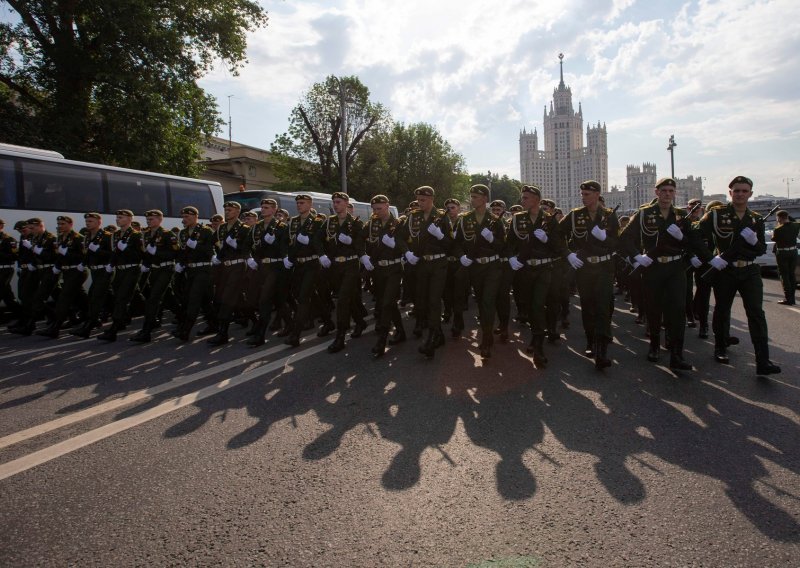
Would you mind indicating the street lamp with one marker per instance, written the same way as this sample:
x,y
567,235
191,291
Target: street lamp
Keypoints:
x,y
671,149
786,181
230,139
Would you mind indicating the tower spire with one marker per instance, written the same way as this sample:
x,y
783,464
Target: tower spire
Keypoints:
x,y
561,63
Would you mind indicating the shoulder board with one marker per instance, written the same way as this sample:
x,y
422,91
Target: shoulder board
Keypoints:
x,y
441,211
320,217
576,209
680,210
755,214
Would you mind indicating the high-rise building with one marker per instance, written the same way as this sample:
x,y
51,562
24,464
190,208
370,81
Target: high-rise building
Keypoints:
x,y
564,162
688,188
640,189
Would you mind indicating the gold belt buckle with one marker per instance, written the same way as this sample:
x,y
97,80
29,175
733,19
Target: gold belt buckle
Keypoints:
x,y
593,259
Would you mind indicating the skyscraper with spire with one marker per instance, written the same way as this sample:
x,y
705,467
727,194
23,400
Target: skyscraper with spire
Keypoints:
x,y
564,162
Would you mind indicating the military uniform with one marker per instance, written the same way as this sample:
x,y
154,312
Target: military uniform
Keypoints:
x,y
738,272
503,302
97,252
9,251
69,264
304,258
126,257
193,264
647,239
785,239
269,246
46,281
233,252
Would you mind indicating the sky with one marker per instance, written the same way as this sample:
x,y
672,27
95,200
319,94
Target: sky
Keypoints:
x,y
723,77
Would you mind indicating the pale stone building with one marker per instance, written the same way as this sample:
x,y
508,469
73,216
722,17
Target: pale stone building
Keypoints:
x,y
236,166
563,161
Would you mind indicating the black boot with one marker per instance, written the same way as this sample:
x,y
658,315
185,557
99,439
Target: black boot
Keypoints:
x,y
601,360
143,336
255,328
380,346
763,365
25,328
110,334
182,331
655,348
428,348
399,335
276,322
259,336
84,330
338,343
358,329
326,328
590,347
458,324
418,328
676,357
503,333
210,328
293,339
51,330
221,338
487,339
721,355
438,338
703,331
539,358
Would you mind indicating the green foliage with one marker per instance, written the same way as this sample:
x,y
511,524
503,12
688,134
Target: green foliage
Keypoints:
x,y
115,82
504,188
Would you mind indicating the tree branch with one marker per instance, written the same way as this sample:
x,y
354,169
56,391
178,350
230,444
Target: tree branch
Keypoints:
x,y
17,88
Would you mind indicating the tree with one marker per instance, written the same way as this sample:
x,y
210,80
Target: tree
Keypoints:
x,y
504,188
115,82
399,160
308,153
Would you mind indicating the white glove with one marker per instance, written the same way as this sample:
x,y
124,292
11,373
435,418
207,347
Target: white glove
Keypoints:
x,y
541,235
411,258
26,243
122,245
302,239
31,267
81,267
191,243
636,265
718,262
179,267
643,259
94,247
215,261
62,250
109,268
287,264
598,233
56,270
696,262
151,249
574,261
325,261
388,241
675,231
231,242
367,262
252,264
750,236
345,239
515,263
487,234
269,238
144,268
435,231
466,261
37,249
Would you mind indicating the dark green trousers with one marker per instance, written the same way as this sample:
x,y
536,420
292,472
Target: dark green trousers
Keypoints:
x,y
503,302
485,280
345,281
430,276
534,284
98,293
664,287
6,293
787,261
125,285
47,287
386,285
159,282
229,290
304,288
747,282
71,288
273,290
596,291
197,292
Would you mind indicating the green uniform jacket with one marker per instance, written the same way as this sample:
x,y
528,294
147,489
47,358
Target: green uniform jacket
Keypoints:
x,y
414,231
332,228
97,249
311,227
69,249
8,249
722,227
525,245
576,227
166,243
647,233
470,242
238,232
373,233
134,247
279,248
203,251
47,254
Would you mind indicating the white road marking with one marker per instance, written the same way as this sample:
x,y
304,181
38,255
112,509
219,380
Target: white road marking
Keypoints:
x,y
57,450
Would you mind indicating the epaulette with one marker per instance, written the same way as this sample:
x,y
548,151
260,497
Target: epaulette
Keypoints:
x,y
756,215
576,209
680,210
320,217
441,211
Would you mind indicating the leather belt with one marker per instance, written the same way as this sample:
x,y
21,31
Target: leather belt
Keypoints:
x,y
487,259
598,259
269,260
666,259
233,262
303,259
451,259
163,264
70,267
777,248
343,258
2,266
197,264
126,266
41,266
432,256
539,261
389,262
96,267
742,263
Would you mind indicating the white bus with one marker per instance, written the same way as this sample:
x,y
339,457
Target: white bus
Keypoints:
x,y
250,200
42,183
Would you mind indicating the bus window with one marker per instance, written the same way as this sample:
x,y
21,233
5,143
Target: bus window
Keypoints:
x,y
8,184
137,193
195,194
288,203
52,187
362,211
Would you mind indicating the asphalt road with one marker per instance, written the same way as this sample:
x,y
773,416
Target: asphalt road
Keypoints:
x,y
178,454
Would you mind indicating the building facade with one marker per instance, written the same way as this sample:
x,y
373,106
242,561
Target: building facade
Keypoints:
x,y
640,189
563,162
236,166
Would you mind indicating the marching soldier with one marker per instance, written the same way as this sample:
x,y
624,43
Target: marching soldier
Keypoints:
x,y
343,246
535,244
41,243
305,248
592,233
161,248
657,239
193,262
503,304
738,236
785,238
97,252
126,257
383,259
68,263
453,208
233,238
561,282
9,251
269,247
425,232
479,240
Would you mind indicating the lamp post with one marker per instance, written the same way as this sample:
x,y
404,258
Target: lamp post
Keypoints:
x,y
230,139
671,149
786,181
